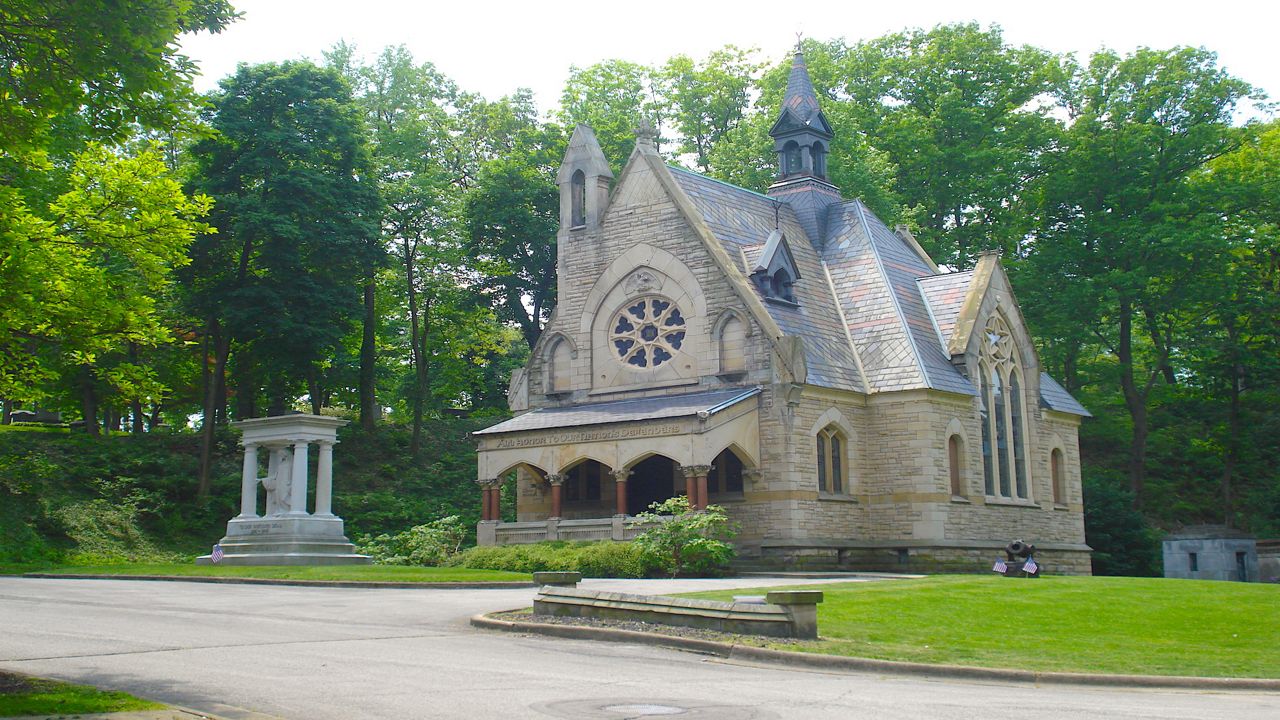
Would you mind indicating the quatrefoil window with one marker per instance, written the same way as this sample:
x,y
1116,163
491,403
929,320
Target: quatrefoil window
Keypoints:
x,y
647,332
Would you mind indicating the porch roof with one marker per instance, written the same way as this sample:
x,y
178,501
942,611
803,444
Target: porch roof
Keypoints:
x,y
617,411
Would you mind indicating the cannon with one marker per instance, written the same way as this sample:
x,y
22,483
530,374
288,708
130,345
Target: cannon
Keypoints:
x,y
1018,556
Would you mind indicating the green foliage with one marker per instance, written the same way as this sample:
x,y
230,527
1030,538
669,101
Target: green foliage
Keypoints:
x,y
592,559
82,276
611,96
106,532
1122,542
429,544
680,540
297,214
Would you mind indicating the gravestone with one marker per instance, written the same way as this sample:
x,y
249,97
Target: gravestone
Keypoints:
x,y
286,534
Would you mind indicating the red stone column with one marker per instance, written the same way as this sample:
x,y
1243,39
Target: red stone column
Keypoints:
x,y
690,487
620,490
495,500
702,489
486,512
556,481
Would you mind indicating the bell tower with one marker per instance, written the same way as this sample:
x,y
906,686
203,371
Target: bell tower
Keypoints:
x,y
802,139
583,178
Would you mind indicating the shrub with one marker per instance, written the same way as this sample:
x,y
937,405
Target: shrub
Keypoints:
x,y
106,533
685,541
430,544
592,559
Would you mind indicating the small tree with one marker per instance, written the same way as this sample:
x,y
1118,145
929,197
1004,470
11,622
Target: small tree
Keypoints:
x,y
684,540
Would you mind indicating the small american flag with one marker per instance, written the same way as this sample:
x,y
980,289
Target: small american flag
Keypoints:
x,y
1030,567
216,555
1000,567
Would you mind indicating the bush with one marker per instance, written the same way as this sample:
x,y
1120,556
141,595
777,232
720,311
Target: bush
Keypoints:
x,y
685,541
592,559
107,533
431,544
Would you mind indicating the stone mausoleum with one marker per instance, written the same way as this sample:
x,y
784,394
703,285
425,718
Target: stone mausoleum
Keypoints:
x,y
789,357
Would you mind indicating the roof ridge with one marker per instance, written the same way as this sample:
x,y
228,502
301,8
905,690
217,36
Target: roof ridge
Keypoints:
x,y
718,181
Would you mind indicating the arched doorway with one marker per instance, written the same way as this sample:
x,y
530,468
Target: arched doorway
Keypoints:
x,y
726,473
587,491
652,480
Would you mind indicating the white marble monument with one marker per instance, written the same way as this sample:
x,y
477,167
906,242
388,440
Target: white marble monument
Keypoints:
x,y
286,534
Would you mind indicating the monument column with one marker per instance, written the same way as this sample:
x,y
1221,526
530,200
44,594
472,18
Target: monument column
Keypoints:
x,y
620,490
690,484
484,499
249,482
299,479
556,482
324,479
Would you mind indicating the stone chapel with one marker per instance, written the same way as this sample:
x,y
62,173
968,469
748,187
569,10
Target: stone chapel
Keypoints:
x,y
789,357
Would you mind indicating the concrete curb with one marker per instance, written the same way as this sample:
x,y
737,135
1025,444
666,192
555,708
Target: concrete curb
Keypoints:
x,y
497,585
836,663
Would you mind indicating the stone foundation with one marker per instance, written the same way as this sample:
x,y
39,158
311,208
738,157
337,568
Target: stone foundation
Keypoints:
x,y
306,540
922,558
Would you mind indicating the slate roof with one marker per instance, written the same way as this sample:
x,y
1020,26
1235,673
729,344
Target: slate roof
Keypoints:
x,y
743,220
1056,397
898,312
615,411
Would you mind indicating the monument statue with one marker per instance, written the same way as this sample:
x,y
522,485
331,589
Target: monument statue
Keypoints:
x,y
286,534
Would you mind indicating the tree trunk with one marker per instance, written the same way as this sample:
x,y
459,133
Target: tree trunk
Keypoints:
x,y
221,349
7,418
1232,449
88,400
368,360
313,391
135,406
154,421
415,331
1135,402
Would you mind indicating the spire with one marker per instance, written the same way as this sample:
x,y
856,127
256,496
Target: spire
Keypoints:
x,y
802,139
800,97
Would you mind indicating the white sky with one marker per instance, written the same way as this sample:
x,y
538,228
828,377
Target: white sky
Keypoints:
x,y
495,47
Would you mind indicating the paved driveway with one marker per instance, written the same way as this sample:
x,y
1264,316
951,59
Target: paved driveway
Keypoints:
x,y
246,651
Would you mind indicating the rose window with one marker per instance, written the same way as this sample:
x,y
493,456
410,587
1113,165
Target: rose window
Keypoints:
x,y
647,332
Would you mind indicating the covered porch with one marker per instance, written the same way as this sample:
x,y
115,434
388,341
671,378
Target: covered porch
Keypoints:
x,y
582,472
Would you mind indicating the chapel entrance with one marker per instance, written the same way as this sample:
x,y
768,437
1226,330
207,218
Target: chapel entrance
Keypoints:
x,y
652,480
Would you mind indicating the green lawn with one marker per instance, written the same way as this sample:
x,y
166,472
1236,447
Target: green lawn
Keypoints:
x,y
369,573
1141,626
21,695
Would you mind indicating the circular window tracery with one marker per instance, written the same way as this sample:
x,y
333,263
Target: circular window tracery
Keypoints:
x,y
647,332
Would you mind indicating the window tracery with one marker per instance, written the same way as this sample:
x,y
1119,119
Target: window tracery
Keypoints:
x,y
1004,464
646,333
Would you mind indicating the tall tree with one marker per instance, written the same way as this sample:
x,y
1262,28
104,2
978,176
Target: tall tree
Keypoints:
x,y
1121,226
297,210
964,117
612,97
708,99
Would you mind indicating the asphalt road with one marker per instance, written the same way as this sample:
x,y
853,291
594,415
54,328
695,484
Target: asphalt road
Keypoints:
x,y
246,651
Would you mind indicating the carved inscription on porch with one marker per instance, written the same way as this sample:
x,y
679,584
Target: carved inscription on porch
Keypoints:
x,y
584,436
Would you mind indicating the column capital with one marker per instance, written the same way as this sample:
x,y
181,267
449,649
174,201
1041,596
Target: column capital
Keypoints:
x,y
486,483
693,471
621,475
556,479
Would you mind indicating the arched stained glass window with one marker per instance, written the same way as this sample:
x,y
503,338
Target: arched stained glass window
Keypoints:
x,y
832,465
1003,416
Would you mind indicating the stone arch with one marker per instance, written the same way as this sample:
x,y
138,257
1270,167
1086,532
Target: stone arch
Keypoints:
x,y
729,467
1059,476
521,464
558,355
729,336
832,442
957,447
654,477
642,274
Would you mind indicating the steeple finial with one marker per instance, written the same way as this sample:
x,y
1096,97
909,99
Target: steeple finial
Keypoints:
x,y
645,132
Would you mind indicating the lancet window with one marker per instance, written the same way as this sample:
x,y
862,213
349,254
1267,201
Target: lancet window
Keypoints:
x,y
832,471
1004,423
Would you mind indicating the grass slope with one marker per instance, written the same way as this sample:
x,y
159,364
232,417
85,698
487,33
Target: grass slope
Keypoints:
x,y
366,573
21,695
1069,624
